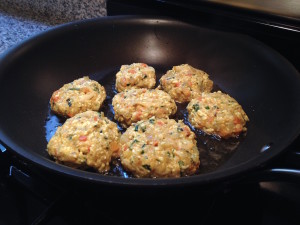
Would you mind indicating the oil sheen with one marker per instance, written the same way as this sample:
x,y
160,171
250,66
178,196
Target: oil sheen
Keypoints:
x,y
213,150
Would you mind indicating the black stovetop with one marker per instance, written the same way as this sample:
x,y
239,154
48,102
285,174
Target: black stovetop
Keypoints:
x,y
27,197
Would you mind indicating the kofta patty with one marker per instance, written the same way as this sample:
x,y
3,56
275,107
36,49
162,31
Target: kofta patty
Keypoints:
x,y
185,82
138,104
78,96
217,113
88,139
159,148
136,75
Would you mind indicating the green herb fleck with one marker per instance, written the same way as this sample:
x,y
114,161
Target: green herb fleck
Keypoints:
x,y
96,89
173,153
143,146
70,137
145,76
179,129
169,78
132,143
74,89
136,128
152,121
196,107
143,128
69,102
142,152
135,141
207,107
181,163
147,167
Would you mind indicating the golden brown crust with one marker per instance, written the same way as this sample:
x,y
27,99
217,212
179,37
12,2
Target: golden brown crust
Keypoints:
x,y
217,113
136,75
138,104
185,82
159,148
88,139
78,96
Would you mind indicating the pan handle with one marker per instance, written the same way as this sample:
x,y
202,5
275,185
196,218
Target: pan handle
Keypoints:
x,y
287,169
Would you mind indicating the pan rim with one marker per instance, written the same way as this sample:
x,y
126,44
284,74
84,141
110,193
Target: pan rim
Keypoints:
x,y
213,177
111,180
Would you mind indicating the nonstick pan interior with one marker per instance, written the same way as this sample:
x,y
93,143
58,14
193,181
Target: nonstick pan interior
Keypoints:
x,y
263,82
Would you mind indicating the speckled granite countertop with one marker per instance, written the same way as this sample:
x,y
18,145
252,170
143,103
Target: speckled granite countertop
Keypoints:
x,y
21,19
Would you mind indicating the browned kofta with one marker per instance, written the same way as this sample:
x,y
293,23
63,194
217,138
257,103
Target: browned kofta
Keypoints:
x,y
159,147
217,113
78,96
185,82
138,104
88,139
135,75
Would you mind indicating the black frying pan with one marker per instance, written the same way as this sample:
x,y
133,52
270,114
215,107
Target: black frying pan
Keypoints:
x,y
263,82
